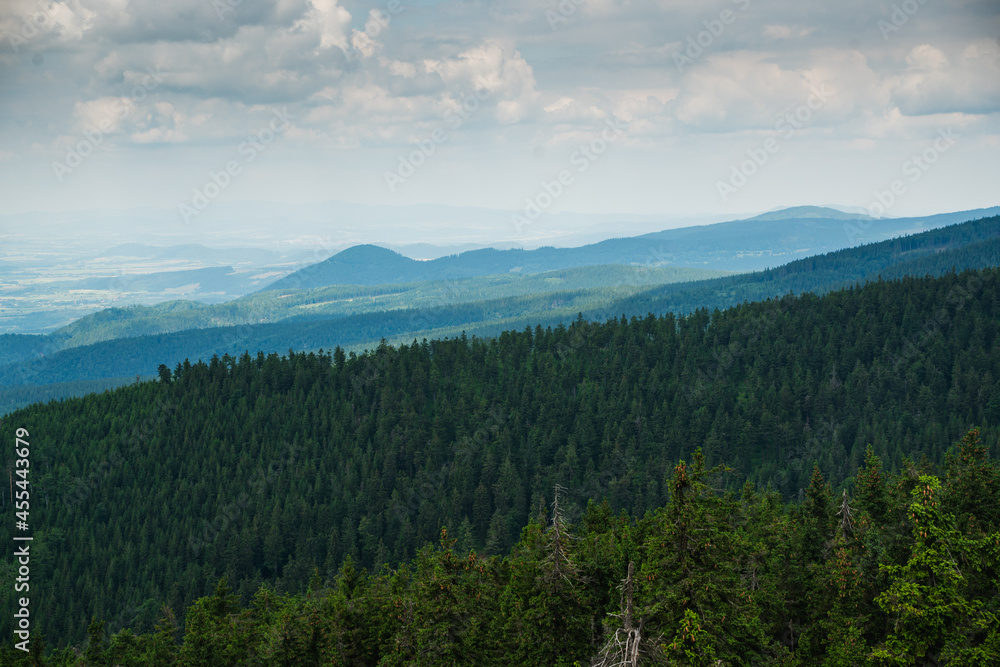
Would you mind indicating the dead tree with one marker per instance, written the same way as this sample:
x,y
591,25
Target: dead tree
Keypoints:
x,y
558,563
627,647
846,515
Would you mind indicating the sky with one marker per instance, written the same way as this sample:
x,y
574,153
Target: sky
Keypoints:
x,y
591,106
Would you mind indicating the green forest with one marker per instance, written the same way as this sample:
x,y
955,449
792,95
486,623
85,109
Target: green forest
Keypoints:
x,y
902,573
805,480
594,283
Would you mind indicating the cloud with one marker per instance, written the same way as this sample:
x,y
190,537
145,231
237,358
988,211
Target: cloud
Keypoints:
x,y
505,75
31,25
933,82
364,44
330,20
738,90
787,32
161,123
104,113
357,78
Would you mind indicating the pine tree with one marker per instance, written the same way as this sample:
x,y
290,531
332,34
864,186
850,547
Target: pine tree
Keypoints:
x,y
95,656
870,488
691,565
544,603
162,649
208,629
442,627
847,610
935,619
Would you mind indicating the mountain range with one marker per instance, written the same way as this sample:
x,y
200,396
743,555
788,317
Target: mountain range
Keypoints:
x,y
119,344
753,244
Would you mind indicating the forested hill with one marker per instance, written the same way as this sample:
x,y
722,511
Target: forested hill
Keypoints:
x,y
971,245
266,468
903,572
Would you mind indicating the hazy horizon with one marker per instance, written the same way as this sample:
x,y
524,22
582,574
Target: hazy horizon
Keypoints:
x,y
306,227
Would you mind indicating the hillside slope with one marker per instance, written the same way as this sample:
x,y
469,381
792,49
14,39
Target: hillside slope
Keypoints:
x,y
971,245
265,468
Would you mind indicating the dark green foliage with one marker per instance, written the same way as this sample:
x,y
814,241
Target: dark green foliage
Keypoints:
x,y
693,585
870,489
939,618
708,596
269,469
210,635
545,603
971,477
12,398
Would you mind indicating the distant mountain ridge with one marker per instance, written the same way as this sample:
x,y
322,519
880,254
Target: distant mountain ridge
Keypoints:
x,y
972,245
803,212
753,244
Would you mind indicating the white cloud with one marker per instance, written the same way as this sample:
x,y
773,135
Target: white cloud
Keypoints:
x,y
934,83
354,83
559,105
162,123
507,76
363,43
399,68
64,22
104,113
331,21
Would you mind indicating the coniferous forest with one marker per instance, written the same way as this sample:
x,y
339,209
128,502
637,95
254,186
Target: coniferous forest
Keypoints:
x,y
800,481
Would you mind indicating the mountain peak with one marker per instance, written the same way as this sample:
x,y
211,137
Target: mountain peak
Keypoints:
x,y
800,212
367,253
364,264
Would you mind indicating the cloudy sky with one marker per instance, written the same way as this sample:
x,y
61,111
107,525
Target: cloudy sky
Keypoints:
x,y
603,106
